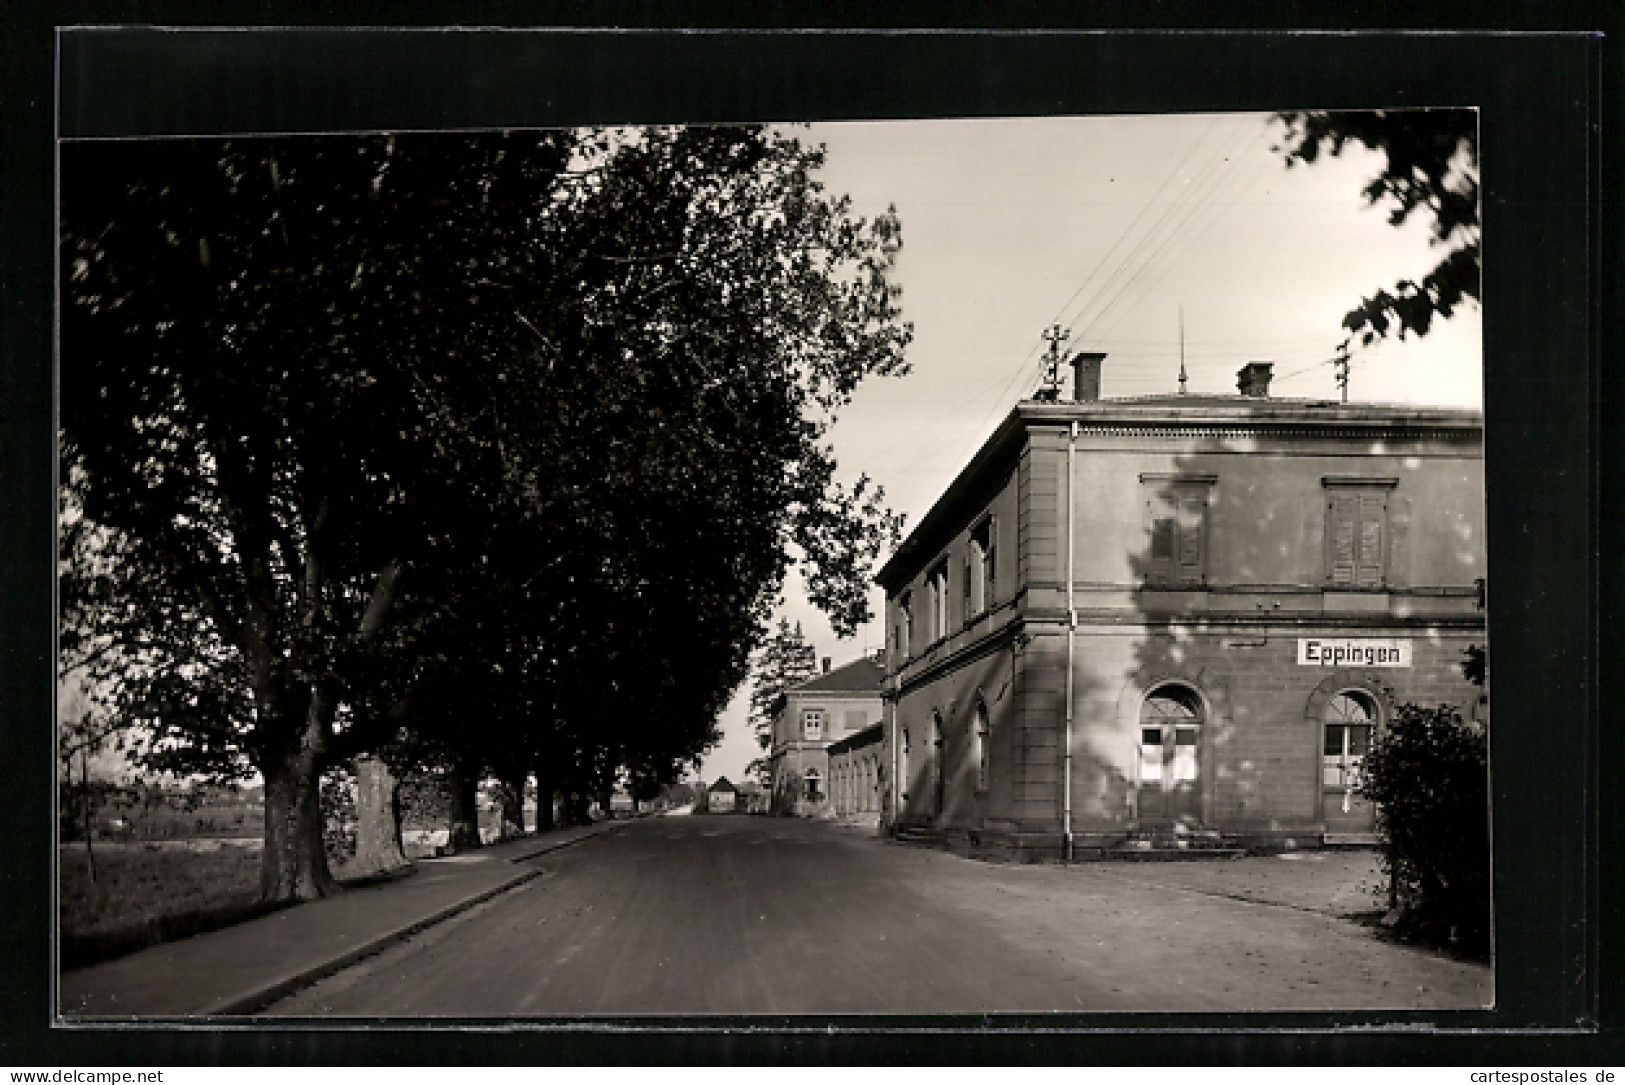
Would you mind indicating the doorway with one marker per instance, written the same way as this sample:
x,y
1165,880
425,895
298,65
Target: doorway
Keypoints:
x,y
1350,721
939,774
1170,760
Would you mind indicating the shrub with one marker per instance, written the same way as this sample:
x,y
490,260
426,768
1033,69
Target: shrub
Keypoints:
x,y
1428,774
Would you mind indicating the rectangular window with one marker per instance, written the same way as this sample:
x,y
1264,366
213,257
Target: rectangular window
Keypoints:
x,y
905,625
812,724
1176,523
1357,536
1150,754
1346,747
939,601
979,568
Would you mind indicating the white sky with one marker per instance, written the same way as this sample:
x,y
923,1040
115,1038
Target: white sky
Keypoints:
x,y
1107,226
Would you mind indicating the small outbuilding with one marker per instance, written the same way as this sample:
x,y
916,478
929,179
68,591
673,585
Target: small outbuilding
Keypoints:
x,y
722,796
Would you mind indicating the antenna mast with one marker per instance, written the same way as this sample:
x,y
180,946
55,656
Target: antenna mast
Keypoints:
x,y
1052,362
1181,348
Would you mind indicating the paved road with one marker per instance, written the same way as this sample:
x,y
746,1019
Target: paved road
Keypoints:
x,y
739,915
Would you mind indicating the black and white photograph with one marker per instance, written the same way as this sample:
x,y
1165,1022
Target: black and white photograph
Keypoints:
x,y
775,569
801,564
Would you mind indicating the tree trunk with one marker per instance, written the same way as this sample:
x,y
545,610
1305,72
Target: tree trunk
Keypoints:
x,y
464,822
513,804
294,866
578,808
544,798
606,796
378,825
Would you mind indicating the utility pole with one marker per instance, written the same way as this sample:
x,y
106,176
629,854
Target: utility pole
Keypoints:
x,y
1051,389
1341,362
1182,348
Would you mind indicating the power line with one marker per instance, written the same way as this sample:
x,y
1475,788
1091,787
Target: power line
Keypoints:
x,y
1178,240
1215,170
1171,220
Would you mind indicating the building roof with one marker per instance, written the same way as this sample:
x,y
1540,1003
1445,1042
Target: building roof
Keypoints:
x,y
1201,413
860,676
871,733
722,784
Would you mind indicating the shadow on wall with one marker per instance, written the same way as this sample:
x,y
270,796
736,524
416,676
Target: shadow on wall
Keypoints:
x,y
1254,759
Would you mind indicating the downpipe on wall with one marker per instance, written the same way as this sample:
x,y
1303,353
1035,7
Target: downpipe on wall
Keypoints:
x,y
1071,636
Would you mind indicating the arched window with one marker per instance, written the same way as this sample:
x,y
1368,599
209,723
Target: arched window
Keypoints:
x,y
979,744
1350,719
1170,737
815,783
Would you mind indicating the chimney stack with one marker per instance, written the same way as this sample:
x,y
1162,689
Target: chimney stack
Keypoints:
x,y
1254,379
826,664
1086,377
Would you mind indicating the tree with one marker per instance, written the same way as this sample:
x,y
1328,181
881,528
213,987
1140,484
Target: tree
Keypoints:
x,y
1430,167
378,845
329,405
253,418
784,660
1428,773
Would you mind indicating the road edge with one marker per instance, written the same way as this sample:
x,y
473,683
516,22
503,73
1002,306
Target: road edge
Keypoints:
x,y
255,999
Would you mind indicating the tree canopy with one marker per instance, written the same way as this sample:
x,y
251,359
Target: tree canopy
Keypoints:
x,y
1430,168
481,443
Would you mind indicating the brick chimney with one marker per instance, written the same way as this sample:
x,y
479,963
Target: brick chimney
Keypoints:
x,y
1254,379
1086,377
826,664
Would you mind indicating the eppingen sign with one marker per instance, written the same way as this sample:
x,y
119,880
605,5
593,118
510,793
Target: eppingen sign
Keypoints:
x,y
1353,652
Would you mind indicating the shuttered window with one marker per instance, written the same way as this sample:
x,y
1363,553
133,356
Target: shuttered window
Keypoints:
x,y
1176,519
1357,534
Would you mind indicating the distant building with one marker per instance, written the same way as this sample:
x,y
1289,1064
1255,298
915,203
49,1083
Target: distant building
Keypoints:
x,y
857,767
752,797
721,796
1178,616
817,712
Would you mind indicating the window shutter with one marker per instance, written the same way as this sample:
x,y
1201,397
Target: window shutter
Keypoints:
x,y
1345,509
1191,508
1163,539
1399,547
1368,570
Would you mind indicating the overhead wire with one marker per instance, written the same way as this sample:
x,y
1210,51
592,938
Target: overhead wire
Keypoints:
x,y
1171,219
1032,362
1193,224
1215,172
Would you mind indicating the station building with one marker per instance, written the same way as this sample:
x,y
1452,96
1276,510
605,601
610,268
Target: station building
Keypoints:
x,y
1178,618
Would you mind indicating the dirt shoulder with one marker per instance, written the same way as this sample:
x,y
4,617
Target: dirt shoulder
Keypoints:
x,y
1338,883
1226,935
